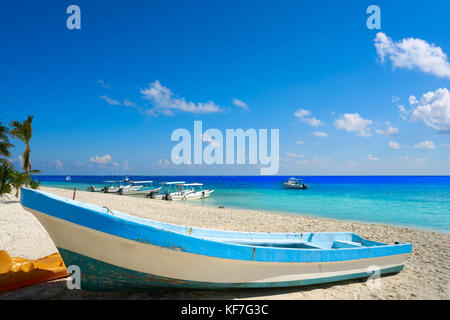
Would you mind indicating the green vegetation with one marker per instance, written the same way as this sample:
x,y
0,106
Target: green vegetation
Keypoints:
x,y
11,179
6,176
4,144
23,131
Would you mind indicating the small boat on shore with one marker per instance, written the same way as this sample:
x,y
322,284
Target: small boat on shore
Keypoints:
x,y
294,183
169,188
95,189
139,188
180,190
191,191
133,253
113,186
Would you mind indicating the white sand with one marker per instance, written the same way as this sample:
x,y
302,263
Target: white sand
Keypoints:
x,y
426,274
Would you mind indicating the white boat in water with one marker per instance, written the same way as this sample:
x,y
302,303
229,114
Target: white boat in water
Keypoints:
x,y
112,186
191,191
169,188
180,190
139,188
95,189
294,183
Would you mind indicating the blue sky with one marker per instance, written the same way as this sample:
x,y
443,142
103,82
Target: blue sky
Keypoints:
x,y
343,104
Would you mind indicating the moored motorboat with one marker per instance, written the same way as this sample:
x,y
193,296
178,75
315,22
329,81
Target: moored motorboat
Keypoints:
x,y
191,191
95,189
169,188
112,186
133,253
294,183
139,188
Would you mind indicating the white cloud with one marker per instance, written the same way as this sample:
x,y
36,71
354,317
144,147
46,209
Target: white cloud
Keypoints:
x,y
394,145
433,109
129,103
299,142
59,164
101,160
390,130
395,99
427,144
109,100
320,134
413,53
372,158
166,103
294,155
302,114
313,121
353,122
240,103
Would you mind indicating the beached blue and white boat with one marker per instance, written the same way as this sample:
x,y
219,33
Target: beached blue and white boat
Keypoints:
x,y
117,251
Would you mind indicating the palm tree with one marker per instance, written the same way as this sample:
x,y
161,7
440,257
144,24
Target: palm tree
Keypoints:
x,y
18,179
23,131
6,175
4,144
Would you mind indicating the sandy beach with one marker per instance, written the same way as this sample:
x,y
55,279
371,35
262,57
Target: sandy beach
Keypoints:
x,y
426,274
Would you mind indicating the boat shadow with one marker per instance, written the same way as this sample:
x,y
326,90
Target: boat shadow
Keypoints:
x,y
57,290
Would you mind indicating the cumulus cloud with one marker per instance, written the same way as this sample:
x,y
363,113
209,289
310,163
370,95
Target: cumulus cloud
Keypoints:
x,y
433,108
101,160
411,53
300,113
390,130
394,145
427,144
165,102
240,104
353,122
372,158
303,114
320,134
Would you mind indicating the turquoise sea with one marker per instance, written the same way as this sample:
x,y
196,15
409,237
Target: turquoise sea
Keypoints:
x,y
414,201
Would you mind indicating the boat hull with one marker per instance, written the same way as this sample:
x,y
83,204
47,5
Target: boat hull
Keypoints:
x,y
139,191
131,254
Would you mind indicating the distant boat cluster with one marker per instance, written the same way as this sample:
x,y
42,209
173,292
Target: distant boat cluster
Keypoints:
x,y
175,190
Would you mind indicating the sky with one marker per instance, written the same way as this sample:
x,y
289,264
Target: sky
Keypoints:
x,y
347,100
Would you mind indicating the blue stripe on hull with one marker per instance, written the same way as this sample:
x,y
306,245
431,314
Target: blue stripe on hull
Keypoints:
x,y
101,276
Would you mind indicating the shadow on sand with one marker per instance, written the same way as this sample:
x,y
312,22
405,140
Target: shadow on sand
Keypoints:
x,y
58,290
